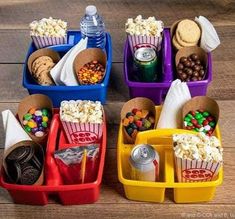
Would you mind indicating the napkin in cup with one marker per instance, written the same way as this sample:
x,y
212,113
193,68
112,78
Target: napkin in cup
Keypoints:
x,y
63,73
176,97
209,37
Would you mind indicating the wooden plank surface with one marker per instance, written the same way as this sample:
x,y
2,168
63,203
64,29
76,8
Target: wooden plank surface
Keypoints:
x,y
15,15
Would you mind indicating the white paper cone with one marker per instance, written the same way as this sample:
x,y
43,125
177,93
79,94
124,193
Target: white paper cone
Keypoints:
x,y
60,76
13,130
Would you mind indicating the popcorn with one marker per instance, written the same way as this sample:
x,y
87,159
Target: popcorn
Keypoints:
x,y
81,111
140,26
48,27
198,147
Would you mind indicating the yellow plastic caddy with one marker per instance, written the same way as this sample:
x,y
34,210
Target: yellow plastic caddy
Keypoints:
x,y
161,140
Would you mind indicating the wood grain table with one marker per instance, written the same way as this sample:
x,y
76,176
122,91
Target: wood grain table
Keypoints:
x,y
15,15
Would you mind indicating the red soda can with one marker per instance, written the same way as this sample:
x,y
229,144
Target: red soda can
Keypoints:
x,y
144,162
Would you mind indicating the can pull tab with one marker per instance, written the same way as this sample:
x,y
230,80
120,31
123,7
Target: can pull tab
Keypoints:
x,y
143,153
147,55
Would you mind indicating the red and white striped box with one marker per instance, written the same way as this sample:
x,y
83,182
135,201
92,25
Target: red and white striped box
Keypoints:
x,y
44,41
196,171
82,133
137,41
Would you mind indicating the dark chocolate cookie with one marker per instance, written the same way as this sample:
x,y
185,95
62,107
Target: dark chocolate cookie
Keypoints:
x,y
29,175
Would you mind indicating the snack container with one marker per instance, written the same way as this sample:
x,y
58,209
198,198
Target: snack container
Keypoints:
x,y
161,140
60,93
156,91
136,41
87,56
66,194
41,52
36,147
44,41
38,101
201,102
139,103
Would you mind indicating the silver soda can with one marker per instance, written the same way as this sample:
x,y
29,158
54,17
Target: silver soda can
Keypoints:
x,y
144,162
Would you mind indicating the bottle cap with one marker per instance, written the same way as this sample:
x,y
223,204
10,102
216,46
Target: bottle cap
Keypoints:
x,y
91,10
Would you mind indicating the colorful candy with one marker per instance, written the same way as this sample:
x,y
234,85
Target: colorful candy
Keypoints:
x,y
36,121
138,120
200,121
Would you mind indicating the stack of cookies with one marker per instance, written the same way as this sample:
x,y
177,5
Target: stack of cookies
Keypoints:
x,y
24,165
187,33
41,70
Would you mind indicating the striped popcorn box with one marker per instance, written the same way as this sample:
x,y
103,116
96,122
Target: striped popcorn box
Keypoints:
x,y
82,133
196,171
44,41
137,41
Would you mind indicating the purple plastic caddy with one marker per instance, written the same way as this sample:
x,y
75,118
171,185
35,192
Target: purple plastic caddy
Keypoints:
x,y
157,91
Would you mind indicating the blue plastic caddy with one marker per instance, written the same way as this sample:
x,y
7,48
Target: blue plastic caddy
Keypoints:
x,y
60,93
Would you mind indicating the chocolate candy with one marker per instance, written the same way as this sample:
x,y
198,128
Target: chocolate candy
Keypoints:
x,y
137,120
200,121
91,73
190,68
36,121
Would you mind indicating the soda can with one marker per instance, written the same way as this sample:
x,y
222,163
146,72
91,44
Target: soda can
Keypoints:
x,y
144,162
145,60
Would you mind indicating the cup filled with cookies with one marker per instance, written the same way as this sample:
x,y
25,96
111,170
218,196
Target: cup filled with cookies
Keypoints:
x,y
40,64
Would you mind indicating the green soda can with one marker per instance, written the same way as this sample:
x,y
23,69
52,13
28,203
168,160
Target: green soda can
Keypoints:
x,y
145,59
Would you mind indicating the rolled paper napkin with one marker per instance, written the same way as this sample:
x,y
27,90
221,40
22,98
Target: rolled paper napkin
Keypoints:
x,y
176,97
209,38
14,131
63,73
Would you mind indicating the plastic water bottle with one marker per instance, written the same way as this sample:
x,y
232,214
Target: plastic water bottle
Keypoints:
x,y
92,26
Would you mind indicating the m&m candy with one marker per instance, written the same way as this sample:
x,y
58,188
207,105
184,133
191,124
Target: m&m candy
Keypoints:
x,y
37,121
200,121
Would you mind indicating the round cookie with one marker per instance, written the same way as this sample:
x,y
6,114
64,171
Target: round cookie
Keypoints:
x,y
41,70
183,43
29,175
37,62
176,44
188,31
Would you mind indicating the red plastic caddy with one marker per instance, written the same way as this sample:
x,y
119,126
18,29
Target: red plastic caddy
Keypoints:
x,y
66,194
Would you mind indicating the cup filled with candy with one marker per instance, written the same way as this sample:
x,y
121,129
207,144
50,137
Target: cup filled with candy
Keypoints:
x,y
191,64
137,115
90,66
201,114
35,114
